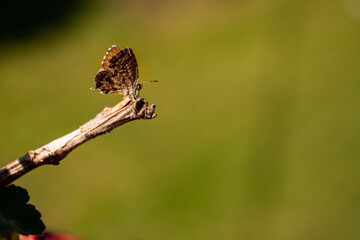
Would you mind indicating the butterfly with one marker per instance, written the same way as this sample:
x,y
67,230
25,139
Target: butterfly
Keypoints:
x,y
118,73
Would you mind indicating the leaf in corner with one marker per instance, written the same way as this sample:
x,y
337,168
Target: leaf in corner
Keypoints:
x,y
16,214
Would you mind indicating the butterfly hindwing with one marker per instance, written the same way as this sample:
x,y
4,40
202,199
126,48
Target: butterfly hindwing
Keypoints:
x,y
104,81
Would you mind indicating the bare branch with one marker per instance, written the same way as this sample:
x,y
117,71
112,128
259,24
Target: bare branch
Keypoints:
x,y
129,109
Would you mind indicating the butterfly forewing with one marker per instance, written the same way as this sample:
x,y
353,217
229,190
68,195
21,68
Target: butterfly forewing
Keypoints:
x,y
109,54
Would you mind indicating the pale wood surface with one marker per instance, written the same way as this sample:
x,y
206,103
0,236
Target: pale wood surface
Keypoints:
x,y
129,109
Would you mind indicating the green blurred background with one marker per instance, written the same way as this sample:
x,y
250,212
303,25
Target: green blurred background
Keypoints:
x,y
257,134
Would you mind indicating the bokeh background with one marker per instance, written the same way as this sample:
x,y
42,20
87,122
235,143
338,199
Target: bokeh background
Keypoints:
x,y
257,134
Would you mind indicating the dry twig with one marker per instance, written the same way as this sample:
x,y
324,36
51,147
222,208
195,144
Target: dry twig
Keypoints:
x,y
129,109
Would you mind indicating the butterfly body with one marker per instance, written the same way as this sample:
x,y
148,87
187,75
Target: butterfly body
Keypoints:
x,y
119,72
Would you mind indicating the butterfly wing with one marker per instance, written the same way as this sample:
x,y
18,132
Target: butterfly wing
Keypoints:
x,y
104,81
109,54
126,69
119,72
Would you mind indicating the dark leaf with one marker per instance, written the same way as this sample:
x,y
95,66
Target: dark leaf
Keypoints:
x,y
16,214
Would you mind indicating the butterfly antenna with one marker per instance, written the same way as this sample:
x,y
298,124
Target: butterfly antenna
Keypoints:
x,y
149,81
140,85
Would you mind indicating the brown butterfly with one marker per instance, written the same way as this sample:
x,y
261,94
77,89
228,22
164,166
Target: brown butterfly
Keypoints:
x,y
119,72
